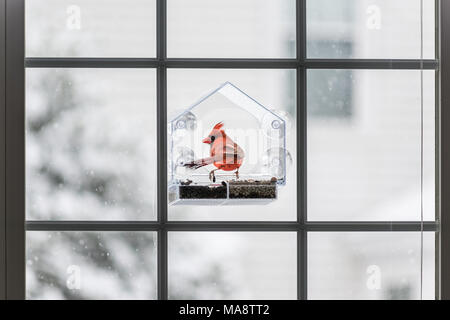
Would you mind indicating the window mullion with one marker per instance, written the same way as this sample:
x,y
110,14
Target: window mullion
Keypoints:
x,y
301,151
161,42
15,150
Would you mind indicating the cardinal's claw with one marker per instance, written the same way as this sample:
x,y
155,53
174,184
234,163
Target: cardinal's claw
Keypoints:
x,y
212,176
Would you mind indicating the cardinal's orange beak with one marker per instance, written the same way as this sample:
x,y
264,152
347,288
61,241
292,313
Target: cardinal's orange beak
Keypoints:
x,y
207,140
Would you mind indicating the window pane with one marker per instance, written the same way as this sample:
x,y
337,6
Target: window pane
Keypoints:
x,y
91,265
370,29
86,28
364,145
232,265
231,29
275,90
91,144
375,265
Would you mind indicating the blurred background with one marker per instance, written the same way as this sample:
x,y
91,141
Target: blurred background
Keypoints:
x,y
91,149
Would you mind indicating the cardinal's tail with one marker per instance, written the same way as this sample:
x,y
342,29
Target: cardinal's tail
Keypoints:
x,y
199,163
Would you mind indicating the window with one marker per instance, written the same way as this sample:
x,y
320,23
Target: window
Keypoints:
x,y
355,87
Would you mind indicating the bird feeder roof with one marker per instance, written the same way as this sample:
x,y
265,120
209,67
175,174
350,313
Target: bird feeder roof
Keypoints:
x,y
235,97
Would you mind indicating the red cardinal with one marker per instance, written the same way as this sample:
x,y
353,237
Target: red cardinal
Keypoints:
x,y
225,154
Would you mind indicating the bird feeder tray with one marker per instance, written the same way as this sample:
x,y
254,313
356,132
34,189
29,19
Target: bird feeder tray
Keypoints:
x,y
260,134
225,193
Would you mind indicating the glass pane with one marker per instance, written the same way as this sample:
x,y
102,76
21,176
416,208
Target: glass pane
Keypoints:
x,y
374,265
364,145
91,144
232,265
91,265
231,29
370,29
86,28
265,187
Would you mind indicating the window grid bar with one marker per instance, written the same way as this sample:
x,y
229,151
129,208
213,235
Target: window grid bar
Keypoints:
x,y
302,260
412,64
161,119
437,149
428,64
347,226
162,181
302,252
162,226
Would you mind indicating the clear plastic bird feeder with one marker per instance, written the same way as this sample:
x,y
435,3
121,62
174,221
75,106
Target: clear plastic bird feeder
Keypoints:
x,y
258,131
